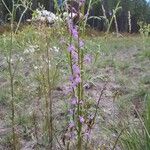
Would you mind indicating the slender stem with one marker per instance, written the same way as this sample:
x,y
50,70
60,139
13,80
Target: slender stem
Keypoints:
x,y
116,24
71,64
7,7
50,126
35,126
113,16
68,145
97,106
12,81
20,19
58,141
118,138
46,109
79,108
86,18
142,122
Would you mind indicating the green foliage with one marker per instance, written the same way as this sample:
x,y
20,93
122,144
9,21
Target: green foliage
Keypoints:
x,y
138,137
147,120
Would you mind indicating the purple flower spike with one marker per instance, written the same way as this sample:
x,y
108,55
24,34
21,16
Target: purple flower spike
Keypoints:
x,y
72,29
76,69
81,119
71,48
75,32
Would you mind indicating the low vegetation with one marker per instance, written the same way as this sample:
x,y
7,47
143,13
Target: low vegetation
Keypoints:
x,y
121,64
67,86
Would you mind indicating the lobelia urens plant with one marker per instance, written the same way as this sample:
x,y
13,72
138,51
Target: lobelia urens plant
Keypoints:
x,y
76,83
76,88
80,123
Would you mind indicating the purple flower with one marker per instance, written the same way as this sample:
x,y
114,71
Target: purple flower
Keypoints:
x,y
72,135
81,119
71,124
70,24
88,58
77,79
81,44
72,29
91,117
71,111
76,69
74,32
71,78
71,48
74,56
74,85
88,134
74,101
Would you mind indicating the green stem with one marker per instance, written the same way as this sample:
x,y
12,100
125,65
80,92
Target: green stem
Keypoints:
x,y
50,126
12,82
79,109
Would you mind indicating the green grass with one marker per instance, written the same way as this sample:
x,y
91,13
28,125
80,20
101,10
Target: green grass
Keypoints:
x,y
122,62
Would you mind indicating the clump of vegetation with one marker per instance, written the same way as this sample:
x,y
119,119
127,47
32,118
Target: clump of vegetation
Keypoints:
x,y
62,89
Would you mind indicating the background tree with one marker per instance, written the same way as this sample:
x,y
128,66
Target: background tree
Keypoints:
x,y
139,9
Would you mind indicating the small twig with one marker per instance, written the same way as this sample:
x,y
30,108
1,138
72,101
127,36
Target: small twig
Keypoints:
x,y
6,7
18,25
100,97
58,142
118,137
92,121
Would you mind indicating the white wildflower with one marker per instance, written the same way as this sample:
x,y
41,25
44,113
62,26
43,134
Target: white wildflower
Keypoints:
x,y
21,59
56,49
26,51
35,67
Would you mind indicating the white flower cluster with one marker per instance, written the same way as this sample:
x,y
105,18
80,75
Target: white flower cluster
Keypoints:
x,y
44,15
55,49
30,49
